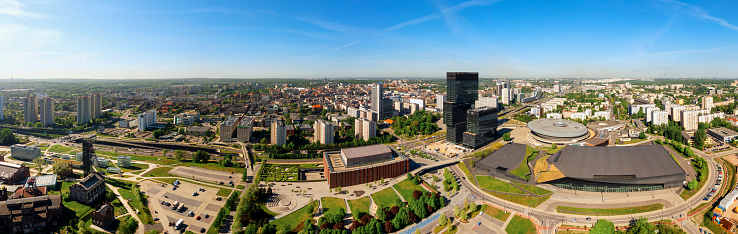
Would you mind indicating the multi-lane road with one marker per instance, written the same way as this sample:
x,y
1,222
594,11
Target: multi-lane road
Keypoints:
x,y
549,221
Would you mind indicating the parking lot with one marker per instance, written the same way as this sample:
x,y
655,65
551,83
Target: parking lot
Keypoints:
x,y
203,204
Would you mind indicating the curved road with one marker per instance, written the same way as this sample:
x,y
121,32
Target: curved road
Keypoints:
x,y
548,220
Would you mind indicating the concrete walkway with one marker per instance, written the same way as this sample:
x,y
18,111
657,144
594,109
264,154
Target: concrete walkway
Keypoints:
x,y
140,229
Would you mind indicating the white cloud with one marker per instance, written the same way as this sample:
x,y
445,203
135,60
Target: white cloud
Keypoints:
x,y
7,29
42,37
16,8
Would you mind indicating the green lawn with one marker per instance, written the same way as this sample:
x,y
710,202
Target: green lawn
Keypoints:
x,y
533,189
406,189
522,170
495,213
240,186
136,157
331,203
385,198
466,171
60,149
360,205
490,183
160,172
214,166
522,200
632,141
224,192
553,151
609,212
294,219
520,225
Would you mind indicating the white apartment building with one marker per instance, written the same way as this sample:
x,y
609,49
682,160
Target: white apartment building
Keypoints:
x,y
323,132
660,117
690,120
707,102
146,119
554,116
279,133
604,114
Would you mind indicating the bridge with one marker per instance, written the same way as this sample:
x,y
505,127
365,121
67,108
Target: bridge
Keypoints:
x,y
439,164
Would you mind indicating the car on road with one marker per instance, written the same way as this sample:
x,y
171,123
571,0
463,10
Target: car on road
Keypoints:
x,y
573,220
589,219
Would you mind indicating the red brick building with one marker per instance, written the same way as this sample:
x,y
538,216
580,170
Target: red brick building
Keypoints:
x,y
362,165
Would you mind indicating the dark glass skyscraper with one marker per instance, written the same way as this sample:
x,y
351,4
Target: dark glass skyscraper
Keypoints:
x,y
481,126
461,92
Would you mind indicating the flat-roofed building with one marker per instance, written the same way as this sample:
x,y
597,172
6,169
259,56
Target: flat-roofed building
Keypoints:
x,y
690,120
29,215
83,109
278,133
360,165
13,173
46,111
197,130
30,109
146,120
24,152
502,162
324,131
245,129
88,189
187,118
722,133
228,128
659,117
707,102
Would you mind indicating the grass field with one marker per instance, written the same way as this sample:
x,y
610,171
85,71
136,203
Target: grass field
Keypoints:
x,y
385,198
533,189
406,189
466,171
686,194
632,141
439,228
360,205
495,213
160,172
490,183
520,225
214,166
553,151
151,159
332,203
60,149
522,200
609,212
294,219
224,192
522,170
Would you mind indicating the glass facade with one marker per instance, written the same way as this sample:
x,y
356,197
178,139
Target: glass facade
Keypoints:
x,y
481,127
461,92
604,187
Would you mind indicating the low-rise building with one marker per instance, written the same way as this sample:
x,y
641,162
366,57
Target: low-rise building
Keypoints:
x,y
24,152
124,161
88,189
197,130
13,173
103,216
29,215
722,133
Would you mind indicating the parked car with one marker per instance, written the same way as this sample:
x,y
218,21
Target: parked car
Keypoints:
x,y
198,218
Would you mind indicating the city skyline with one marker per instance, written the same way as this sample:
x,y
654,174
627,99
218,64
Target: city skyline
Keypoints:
x,y
505,39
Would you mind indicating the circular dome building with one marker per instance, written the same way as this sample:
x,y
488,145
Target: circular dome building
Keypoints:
x,y
559,131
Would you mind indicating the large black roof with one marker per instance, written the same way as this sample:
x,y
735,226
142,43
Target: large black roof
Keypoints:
x,y
506,158
636,162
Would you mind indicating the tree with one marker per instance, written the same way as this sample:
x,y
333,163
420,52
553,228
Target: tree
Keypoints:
x,y
201,157
642,226
553,146
457,211
442,220
179,155
692,184
642,135
699,137
603,227
7,138
62,169
338,189
464,215
164,152
264,141
40,163
506,136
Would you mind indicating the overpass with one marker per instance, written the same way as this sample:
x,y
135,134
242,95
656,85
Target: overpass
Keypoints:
x,y
439,164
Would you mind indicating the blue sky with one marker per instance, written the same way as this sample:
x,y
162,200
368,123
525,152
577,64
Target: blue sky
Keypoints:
x,y
386,38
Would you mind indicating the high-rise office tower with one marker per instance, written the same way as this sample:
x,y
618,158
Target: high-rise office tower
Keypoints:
x,y
47,111
2,106
378,100
481,127
461,92
95,105
279,133
557,88
30,109
83,109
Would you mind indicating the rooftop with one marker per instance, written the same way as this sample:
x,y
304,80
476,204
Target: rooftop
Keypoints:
x,y
641,161
335,163
24,146
557,127
506,158
723,132
359,152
